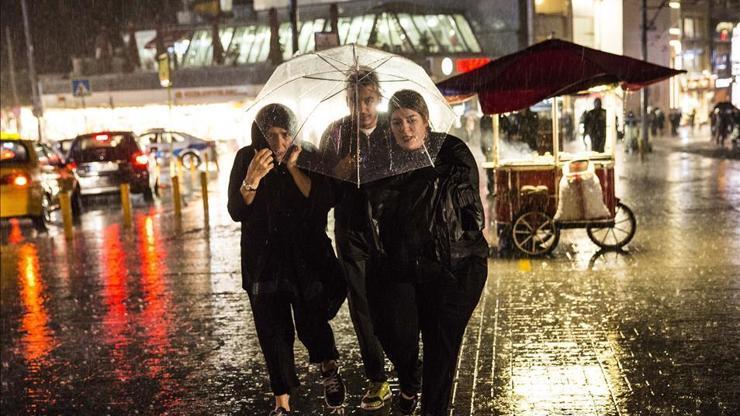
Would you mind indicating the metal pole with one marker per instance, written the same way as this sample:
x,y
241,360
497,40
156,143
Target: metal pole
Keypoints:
x,y
32,69
294,24
644,93
11,63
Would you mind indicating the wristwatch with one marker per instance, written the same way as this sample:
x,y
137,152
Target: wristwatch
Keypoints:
x,y
246,187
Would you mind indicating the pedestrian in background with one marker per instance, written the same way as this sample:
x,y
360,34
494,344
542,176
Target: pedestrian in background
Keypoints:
x,y
594,125
675,119
294,284
352,223
434,263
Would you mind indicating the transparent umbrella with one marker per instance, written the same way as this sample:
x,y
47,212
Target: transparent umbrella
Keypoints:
x,y
322,89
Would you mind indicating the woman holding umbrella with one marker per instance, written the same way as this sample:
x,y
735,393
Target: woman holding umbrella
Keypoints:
x,y
429,224
294,284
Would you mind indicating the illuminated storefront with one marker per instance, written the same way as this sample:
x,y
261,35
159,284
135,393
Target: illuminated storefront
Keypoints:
x,y
209,101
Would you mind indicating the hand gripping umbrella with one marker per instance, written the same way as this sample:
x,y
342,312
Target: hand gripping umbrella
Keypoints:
x,y
335,128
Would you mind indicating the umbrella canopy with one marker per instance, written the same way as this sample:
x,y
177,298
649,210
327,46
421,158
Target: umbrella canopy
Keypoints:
x,y
320,87
548,69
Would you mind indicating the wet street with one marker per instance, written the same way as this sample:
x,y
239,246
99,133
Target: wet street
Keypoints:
x,y
152,319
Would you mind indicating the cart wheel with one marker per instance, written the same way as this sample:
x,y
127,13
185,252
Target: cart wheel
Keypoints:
x,y
534,233
618,235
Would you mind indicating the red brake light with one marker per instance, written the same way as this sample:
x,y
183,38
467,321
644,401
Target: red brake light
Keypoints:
x,y
101,137
20,180
140,159
72,165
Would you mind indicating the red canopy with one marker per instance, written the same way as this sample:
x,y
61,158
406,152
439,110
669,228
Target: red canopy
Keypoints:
x,y
548,69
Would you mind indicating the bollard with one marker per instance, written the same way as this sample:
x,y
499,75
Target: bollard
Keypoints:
x,y
65,200
193,176
176,195
204,194
126,204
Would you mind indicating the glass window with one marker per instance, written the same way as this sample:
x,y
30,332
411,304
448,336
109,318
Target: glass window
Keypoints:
x,y
261,46
304,34
176,137
354,30
286,40
318,26
689,28
344,25
199,53
367,26
13,152
467,33
226,34
391,36
408,26
260,37
246,44
427,40
231,57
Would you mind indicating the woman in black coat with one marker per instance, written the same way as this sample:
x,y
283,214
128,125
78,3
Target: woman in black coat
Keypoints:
x,y
289,269
434,262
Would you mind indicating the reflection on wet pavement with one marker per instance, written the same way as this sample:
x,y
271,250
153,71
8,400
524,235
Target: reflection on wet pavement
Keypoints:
x,y
152,319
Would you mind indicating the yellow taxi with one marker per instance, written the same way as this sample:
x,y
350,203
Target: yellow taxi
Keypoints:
x,y
32,176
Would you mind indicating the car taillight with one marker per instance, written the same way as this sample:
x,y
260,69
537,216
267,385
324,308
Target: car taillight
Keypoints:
x,y
101,137
20,180
140,160
72,165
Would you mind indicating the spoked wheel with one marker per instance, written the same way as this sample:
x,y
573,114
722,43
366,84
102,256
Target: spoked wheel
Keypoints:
x,y
534,233
618,235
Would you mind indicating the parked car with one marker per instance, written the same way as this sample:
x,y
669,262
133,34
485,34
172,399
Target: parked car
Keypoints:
x,y
105,160
62,146
189,149
32,176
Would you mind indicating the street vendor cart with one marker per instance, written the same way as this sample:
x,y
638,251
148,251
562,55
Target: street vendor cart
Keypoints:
x,y
541,184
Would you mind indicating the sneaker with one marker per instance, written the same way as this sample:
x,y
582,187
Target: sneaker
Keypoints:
x,y
333,388
376,395
279,412
407,406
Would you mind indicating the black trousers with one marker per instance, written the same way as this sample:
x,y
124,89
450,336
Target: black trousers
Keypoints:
x,y
277,318
438,308
354,256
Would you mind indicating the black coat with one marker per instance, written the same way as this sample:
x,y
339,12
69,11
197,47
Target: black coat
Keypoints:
x,y
430,220
340,140
284,246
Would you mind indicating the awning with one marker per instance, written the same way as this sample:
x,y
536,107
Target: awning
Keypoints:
x,y
549,69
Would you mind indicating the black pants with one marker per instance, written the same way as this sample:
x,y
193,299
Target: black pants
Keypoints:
x,y
354,257
438,308
274,322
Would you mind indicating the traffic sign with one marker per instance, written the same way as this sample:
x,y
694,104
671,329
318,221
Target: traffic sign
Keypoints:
x,y
81,87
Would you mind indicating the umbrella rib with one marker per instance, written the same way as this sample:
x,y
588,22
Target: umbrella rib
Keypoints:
x,y
326,58
308,116
323,58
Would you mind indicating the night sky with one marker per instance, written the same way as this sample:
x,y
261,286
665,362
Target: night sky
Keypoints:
x,y
65,28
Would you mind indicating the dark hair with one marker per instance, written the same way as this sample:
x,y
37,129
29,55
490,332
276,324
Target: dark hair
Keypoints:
x,y
363,77
411,100
276,115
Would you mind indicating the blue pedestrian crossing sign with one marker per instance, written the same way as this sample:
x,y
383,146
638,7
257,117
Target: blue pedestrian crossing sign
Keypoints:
x,y
81,87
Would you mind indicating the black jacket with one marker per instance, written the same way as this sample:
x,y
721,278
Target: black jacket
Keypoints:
x,y
284,246
340,140
430,220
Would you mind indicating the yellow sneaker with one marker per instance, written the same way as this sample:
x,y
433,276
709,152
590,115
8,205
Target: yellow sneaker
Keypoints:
x,y
376,395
